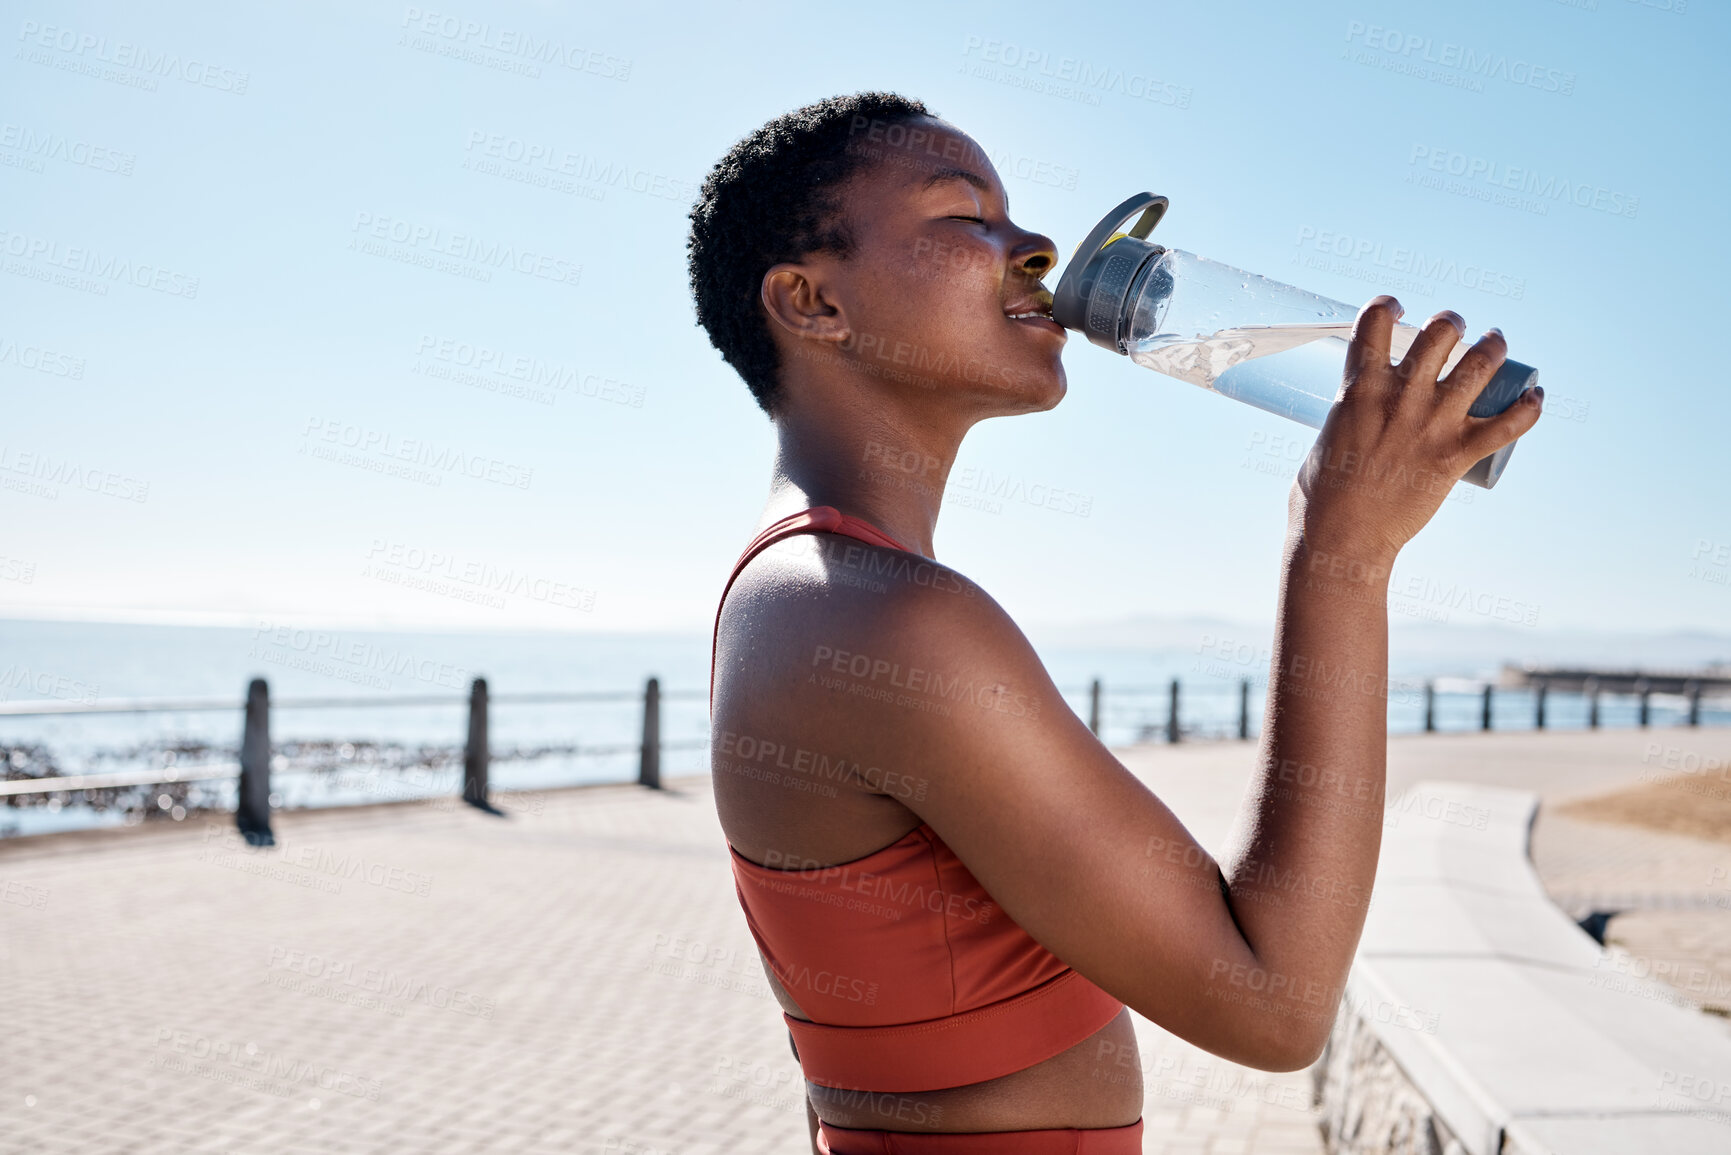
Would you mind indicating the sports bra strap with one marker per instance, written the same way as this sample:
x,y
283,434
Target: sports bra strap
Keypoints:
x,y
818,519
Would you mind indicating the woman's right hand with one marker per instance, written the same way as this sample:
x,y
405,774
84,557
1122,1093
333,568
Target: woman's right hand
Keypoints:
x,y
1399,437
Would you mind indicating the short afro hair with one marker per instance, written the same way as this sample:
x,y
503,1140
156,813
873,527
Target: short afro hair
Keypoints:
x,y
771,199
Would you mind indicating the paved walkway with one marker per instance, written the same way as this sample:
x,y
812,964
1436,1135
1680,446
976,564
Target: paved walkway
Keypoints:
x,y
574,978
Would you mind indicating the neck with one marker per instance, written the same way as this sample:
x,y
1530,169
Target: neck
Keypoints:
x,y
868,457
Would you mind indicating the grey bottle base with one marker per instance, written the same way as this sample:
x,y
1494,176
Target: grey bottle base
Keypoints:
x,y
1485,473
1503,391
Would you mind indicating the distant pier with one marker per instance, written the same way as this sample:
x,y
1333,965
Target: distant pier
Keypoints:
x,y
1710,681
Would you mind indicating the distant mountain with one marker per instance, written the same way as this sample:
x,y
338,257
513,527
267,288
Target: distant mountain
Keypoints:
x,y
1145,632
1431,647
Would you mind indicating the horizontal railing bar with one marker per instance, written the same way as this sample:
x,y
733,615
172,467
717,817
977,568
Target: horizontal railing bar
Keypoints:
x,y
1188,688
35,708
406,700
169,777
118,706
634,747
530,696
29,709
1192,688
110,781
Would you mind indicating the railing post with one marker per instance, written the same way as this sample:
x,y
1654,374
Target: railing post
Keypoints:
x,y
1244,709
1693,690
252,805
1094,707
1591,690
1172,715
1539,692
649,768
1485,715
1430,707
476,755
1646,691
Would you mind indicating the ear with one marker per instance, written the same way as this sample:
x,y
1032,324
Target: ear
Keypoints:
x,y
795,298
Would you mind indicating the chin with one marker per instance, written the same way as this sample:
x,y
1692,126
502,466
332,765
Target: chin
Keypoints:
x,y
1037,395
1055,395
1052,385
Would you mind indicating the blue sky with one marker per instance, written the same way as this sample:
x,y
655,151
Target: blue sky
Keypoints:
x,y
247,297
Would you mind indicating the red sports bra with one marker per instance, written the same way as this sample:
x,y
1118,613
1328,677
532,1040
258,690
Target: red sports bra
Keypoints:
x,y
915,980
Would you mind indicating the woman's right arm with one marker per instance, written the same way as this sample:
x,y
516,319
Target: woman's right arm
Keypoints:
x,y
1302,857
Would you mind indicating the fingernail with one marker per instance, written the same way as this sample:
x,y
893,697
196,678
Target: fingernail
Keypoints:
x,y
1535,396
1493,330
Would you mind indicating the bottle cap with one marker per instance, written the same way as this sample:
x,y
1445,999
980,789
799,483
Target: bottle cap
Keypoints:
x,y
1092,293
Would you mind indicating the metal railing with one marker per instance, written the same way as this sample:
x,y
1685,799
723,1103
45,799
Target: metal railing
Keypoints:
x,y
1173,728
1173,698
254,798
253,805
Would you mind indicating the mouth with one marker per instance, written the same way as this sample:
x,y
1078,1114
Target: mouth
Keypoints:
x,y
1035,311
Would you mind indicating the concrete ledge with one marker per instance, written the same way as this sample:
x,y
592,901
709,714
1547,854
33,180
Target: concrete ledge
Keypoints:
x,y
1480,1020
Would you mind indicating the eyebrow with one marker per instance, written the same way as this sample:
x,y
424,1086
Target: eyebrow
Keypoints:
x,y
965,175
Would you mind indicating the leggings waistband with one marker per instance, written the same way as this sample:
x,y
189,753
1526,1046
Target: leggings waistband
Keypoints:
x,y
833,1140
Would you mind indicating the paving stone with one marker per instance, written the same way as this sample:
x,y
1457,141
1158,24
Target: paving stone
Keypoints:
x,y
446,980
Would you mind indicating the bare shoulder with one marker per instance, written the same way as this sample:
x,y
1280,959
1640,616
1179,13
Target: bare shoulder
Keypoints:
x,y
822,603
826,649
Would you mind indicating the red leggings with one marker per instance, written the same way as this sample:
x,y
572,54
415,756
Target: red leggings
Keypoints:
x,y
1103,1141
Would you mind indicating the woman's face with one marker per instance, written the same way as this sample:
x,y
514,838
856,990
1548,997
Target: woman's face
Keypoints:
x,y
942,291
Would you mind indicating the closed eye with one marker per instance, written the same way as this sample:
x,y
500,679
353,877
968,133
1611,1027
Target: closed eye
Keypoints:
x,y
976,220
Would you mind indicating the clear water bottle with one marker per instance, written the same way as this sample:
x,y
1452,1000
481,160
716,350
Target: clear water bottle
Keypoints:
x,y
1235,333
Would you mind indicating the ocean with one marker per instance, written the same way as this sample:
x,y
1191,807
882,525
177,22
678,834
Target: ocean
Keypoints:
x,y
339,755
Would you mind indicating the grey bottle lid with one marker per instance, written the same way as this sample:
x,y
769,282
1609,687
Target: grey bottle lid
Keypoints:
x,y
1092,294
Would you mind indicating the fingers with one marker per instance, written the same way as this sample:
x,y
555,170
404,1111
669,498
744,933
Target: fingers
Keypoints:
x,y
1474,371
1370,336
1486,435
1430,349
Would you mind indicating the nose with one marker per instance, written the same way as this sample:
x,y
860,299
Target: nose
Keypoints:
x,y
1035,255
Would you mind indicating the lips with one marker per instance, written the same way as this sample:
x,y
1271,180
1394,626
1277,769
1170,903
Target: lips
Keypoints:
x,y
1035,312
1037,307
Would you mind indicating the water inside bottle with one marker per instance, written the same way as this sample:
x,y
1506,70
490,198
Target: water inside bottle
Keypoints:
x,y
1282,369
